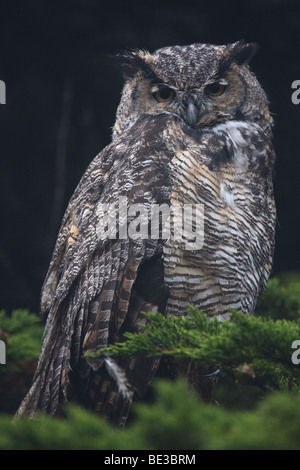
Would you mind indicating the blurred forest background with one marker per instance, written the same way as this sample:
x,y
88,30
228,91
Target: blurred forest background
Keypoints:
x,y
62,90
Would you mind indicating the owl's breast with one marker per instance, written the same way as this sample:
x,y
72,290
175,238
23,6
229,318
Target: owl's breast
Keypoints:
x,y
220,256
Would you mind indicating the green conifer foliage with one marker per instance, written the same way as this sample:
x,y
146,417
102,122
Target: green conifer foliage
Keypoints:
x,y
21,333
256,404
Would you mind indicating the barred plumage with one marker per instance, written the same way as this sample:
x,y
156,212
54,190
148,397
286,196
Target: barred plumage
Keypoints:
x,y
193,128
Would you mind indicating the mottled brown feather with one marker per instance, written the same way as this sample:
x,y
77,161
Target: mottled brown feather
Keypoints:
x,y
212,152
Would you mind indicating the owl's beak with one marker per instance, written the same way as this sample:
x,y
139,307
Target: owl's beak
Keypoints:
x,y
192,112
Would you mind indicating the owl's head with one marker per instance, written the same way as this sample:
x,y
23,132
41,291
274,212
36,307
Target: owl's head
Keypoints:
x,y
202,84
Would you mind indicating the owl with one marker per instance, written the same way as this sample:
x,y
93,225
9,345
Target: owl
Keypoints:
x,y
193,140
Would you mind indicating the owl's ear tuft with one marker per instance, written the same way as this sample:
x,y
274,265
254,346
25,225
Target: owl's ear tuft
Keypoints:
x,y
242,52
133,61
239,53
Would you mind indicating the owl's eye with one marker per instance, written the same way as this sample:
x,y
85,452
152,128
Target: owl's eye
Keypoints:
x,y
163,94
215,89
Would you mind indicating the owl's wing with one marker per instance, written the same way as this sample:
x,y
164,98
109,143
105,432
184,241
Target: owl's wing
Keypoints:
x,y
96,285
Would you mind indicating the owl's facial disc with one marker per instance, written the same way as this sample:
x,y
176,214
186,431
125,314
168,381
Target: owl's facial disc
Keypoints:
x,y
198,105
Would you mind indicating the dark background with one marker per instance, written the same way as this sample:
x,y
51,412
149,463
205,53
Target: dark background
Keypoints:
x,y
62,94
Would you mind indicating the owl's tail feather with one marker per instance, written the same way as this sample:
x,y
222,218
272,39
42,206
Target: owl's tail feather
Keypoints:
x,y
51,385
108,390
119,376
51,382
111,390
27,406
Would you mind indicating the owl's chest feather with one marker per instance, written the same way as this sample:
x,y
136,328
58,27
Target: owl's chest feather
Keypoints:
x,y
237,223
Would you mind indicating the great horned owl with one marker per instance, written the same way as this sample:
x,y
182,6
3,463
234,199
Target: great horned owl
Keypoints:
x,y
193,128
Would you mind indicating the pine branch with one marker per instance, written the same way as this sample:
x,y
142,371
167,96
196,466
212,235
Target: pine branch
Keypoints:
x,y
264,344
